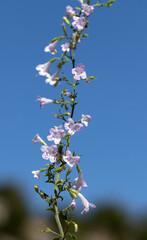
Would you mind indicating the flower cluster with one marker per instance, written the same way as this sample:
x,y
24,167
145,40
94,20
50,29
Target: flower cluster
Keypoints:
x,y
59,154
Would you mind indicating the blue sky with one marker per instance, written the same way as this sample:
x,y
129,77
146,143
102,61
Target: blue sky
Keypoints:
x,y
114,146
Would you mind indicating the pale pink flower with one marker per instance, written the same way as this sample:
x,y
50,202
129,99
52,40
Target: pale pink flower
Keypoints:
x,y
36,174
44,101
37,138
79,22
87,9
51,79
72,127
68,94
73,204
70,12
79,72
51,47
50,152
65,47
85,203
79,182
57,133
70,159
81,1
43,69
86,119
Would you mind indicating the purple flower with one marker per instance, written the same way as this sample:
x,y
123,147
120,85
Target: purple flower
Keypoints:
x,y
50,152
79,22
65,47
70,12
85,119
44,101
85,203
43,69
72,127
37,138
79,72
51,79
56,134
36,174
79,182
51,47
73,204
81,1
87,9
68,94
70,159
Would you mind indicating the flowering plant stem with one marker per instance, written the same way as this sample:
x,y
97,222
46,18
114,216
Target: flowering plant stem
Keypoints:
x,y
58,154
73,66
56,210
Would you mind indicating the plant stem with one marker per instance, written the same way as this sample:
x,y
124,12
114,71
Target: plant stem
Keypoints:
x,y
56,210
73,65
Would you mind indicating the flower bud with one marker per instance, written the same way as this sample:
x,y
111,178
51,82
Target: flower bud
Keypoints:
x,y
36,188
73,193
78,169
67,114
64,29
66,20
72,100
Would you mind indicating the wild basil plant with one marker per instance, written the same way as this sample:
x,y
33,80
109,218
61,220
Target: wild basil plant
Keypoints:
x,y
57,148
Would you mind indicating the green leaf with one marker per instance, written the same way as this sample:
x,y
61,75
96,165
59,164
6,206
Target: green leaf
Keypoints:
x,y
75,226
53,60
108,4
85,35
50,209
57,38
72,235
46,230
43,169
91,77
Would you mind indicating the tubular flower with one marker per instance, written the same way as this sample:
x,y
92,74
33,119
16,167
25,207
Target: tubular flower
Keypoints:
x,y
70,12
79,182
65,47
51,79
57,134
81,1
70,159
72,127
86,119
79,72
79,22
87,9
73,204
51,47
44,101
36,174
43,69
85,203
50,152
37,138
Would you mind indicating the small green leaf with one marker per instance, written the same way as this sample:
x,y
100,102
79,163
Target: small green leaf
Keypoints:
x,y
108,4
46,230
79,9
50,209
91,77
72,235
85,35
53,60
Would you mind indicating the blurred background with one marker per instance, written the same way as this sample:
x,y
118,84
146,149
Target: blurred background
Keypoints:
x,y
114,146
